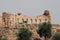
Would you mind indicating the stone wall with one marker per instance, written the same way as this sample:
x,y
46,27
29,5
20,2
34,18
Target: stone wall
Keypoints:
x,y
12,22
11,33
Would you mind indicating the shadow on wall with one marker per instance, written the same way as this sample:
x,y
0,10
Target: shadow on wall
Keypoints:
x,y
37,39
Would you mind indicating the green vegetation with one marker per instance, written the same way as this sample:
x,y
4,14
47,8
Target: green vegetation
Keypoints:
x,y
56,36
24,34
44,30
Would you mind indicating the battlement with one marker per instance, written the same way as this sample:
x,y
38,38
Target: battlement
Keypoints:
x,y
13,19
11,22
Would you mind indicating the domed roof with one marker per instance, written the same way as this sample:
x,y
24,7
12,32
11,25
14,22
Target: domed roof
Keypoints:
x,y
46,13
19,13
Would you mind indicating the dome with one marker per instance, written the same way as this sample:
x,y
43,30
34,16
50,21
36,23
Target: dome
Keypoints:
x,y
46,13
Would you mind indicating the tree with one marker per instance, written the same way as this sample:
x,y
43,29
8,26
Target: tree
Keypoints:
x,y
56,36
44,30
24,34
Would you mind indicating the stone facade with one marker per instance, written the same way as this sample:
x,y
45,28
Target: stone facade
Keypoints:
x,y
11,22
55,28
0,21
13,19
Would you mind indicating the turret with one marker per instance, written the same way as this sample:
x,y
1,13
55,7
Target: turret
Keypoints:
x,y
18,13
46,13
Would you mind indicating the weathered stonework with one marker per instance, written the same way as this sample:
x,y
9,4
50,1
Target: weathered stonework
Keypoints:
x,y
11,22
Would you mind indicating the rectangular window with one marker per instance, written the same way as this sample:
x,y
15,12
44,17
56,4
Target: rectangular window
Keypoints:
x,y
18,20
4,19
31,20
23,20
35,20
12,21
40,20
46,20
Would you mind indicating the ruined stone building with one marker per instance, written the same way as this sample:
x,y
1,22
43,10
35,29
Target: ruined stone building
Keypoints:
x,y
13,19
11,22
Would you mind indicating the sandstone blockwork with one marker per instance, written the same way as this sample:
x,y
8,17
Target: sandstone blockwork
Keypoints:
x,y
11,22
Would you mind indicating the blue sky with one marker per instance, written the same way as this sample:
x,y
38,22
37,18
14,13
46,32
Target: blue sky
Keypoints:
x,y
32,7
